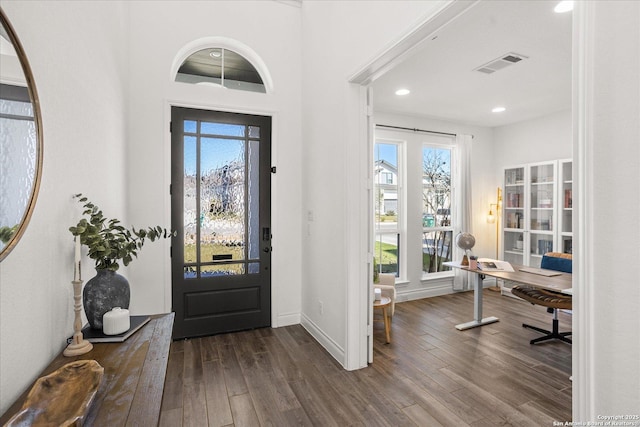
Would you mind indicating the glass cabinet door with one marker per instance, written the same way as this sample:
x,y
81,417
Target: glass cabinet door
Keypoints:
x,y
513,204
542,190
565,204
530,213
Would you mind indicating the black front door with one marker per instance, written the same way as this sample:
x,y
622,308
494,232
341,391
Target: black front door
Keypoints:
x,y
221,210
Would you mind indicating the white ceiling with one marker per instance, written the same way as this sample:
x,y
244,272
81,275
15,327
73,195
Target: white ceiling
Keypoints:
x,y
444,85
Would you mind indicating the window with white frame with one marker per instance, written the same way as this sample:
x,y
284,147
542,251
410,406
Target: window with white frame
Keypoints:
x,y
437,227
388,205
415,210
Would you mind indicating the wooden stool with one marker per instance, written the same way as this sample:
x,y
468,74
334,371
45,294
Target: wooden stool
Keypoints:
x,y
384,303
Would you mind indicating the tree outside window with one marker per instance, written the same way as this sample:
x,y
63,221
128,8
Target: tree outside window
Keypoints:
x,y
436,210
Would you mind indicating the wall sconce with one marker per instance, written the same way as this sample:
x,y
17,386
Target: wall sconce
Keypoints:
x,y
491,218
494,218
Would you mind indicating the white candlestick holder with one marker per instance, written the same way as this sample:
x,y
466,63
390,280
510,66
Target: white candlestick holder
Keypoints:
x,y
79,345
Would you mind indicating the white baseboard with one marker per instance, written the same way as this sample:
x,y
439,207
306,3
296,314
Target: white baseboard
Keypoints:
x,y
445,287
287,319
414,294
325,341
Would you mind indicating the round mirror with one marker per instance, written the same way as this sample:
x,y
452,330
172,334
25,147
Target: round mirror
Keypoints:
x,y
20,139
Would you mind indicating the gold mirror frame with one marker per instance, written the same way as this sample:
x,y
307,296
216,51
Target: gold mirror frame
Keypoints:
x,y
26,69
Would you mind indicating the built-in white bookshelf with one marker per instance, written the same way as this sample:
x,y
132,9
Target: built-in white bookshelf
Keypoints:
x,y
537,212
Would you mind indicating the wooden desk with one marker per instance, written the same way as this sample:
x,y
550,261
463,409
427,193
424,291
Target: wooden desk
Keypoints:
x,y
554,283
557,283
133,382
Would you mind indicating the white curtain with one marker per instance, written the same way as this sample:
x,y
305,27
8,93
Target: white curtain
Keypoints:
x,y
462,197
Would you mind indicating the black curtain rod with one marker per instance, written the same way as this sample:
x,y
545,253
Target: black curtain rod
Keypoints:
x,y
417,130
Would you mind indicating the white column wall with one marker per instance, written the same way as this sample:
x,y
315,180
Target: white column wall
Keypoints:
x,y
607,352
77,52
339,37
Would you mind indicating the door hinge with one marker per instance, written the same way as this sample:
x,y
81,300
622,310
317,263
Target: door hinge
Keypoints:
x,y
170,251
171,189
170,127
273,169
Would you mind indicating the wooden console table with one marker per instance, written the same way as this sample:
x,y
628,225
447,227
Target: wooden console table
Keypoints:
x,y
133,382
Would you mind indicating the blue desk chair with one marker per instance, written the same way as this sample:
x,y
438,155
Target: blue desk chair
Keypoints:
x,y
554,301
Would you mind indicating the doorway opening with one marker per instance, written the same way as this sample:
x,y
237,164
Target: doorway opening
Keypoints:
x,y
450,23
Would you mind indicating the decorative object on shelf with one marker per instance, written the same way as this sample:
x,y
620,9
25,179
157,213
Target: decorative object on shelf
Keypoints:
x,y
495,219
115,321
61,398
568,199
108,242
465,241
519,243
106,290
78,345
98,336
568,246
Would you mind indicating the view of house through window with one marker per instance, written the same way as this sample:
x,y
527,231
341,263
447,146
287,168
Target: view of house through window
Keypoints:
x,y
386,198
437,229
413,197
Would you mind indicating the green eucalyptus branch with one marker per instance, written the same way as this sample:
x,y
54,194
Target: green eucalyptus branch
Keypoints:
x,y
108,241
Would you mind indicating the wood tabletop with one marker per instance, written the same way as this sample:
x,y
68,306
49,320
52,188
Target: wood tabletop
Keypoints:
x,y
552,283
133,382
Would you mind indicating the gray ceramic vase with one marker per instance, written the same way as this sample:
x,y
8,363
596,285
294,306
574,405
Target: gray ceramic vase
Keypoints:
x,y
103,292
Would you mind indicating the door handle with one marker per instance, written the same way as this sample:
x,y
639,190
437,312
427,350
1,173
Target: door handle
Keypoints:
x,y
267,249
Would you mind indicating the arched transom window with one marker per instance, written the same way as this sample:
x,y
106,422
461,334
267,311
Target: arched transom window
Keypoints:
x,y
220,67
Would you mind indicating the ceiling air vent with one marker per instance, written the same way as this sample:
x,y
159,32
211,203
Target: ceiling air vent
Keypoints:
x,y
500,63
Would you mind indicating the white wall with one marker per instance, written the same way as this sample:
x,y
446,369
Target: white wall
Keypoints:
x,y
484,189
81,86
537,140
272,31
339,37
608,352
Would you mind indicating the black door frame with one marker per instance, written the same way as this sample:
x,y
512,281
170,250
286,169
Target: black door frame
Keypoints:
x,y
188,291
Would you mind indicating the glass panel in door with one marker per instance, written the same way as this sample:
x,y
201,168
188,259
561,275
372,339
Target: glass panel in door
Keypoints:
x,y
514,219
221,210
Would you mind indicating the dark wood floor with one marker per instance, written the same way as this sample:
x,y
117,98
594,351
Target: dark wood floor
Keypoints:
x,y
431,374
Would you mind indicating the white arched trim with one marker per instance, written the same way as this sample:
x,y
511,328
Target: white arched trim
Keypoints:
x,y
226,43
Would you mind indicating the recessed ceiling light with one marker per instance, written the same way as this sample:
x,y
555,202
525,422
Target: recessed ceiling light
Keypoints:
x,y
402,92
563,6
498,110
215,54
